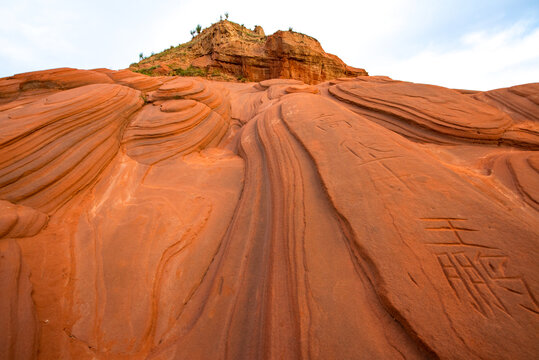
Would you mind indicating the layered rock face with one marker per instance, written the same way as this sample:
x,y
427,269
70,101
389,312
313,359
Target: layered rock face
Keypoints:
x,y
230,49
177,218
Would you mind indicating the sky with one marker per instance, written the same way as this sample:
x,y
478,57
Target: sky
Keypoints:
x,y
466,44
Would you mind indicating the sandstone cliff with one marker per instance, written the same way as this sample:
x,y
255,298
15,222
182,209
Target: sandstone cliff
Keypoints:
x,y
230,51
179,218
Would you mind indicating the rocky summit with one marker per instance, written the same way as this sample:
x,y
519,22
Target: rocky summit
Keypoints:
x,y
167,217
229,51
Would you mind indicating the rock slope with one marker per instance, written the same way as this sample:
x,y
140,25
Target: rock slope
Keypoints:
x,y
227,50
179,218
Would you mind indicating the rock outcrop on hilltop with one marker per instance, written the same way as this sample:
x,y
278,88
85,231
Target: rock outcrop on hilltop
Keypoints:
x,y
227,50
179,218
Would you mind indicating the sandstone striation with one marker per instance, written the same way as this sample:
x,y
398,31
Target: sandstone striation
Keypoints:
x,y
18,221
181,218
187,116
47,81
231,51
134,80
55,146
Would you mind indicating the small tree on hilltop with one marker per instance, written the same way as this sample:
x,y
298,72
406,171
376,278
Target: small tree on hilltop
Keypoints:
x,y
140,56
226,15
198,29
192,33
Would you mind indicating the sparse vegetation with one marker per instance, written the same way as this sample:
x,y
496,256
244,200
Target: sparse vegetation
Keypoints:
x,y
147,71
178,58
250,34
190,71
290,29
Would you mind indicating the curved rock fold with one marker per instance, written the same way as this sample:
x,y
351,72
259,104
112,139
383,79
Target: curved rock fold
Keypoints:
x,y
180,218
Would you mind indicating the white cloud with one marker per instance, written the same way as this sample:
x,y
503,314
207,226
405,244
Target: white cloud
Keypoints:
x,y
482,60
33,37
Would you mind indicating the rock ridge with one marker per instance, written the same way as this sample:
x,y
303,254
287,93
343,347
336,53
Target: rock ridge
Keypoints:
x,y
230,51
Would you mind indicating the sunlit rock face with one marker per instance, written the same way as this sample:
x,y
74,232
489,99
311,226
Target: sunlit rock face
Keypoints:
x,y
179,218
229,51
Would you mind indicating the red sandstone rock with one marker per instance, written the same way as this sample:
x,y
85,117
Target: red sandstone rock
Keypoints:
x,y
47,81
55,146
19,325
186,116
522,104
519,172
417,106
235,52
134,80
17,221
361,218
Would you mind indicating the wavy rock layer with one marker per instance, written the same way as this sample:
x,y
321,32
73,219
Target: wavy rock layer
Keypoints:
x,y
46,81
418,228
56,146
522,104
356,219
519,172
17,221
134,80
196,119
410,109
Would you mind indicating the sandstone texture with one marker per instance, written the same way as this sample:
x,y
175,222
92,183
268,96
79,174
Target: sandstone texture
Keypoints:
x,y
181,218
230,51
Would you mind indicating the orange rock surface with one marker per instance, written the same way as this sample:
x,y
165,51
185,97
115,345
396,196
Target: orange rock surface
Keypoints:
x,y
231,51
179,218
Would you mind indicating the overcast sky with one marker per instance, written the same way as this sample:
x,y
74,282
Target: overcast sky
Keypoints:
x,y
471,44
